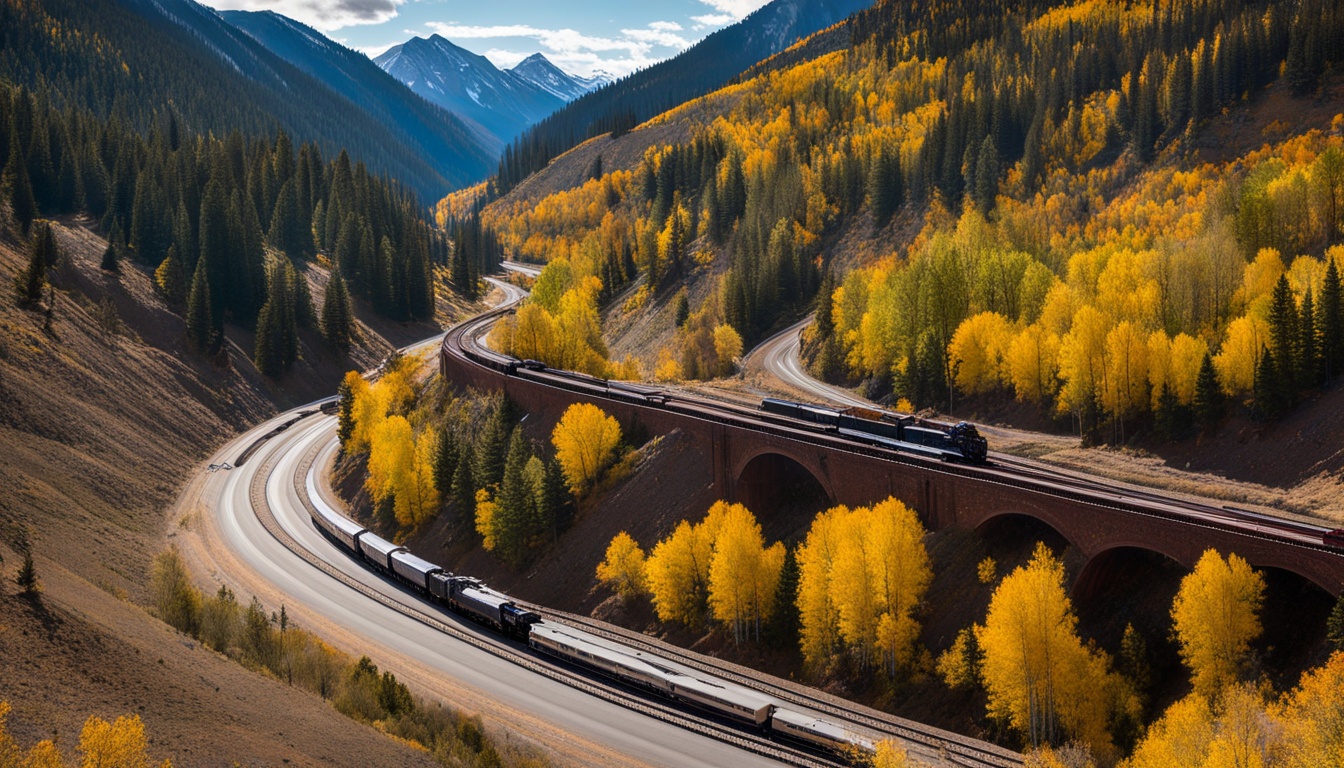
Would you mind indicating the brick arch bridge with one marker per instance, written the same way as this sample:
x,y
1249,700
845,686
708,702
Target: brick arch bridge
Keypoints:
x,y
742,463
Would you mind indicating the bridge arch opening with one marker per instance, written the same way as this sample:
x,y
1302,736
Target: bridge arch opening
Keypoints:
x,y
773,484
1293,620
1011,532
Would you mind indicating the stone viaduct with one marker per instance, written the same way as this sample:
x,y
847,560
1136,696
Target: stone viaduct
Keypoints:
x,y
760,468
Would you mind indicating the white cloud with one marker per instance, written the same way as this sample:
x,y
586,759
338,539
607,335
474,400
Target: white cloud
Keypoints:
x,y
712,19
574,51
324,15
735,10
374,51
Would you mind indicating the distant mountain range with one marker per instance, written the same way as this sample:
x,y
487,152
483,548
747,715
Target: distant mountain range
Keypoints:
x,y
539,71
142,59
502,102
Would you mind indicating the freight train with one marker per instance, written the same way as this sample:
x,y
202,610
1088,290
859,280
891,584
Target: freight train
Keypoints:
x,y
473,599
959,442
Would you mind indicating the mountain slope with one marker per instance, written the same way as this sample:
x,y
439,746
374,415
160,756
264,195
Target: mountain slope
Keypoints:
x,y
468,85
700,69
435,132
135,58
539,71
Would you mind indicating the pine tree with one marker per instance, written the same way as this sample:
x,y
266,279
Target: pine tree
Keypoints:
x,y
555,505
27,578
987,174
338,325
1268,390
1208,395
17,186
202,330
1283,334
884,187
490,448
1307,347
29,284
1331,322
445,462
44,246
516,502
112,254
464,483
276,346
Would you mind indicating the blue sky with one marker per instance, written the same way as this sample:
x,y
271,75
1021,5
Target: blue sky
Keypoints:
x,y
614,36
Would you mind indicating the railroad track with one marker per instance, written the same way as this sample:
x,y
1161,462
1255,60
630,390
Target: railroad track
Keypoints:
x,y
951,748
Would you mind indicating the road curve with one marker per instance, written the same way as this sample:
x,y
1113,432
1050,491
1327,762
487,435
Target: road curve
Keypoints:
x,y
779,356
230,539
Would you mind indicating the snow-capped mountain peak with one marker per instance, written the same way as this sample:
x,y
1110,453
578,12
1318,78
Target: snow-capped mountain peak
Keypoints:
x,y
539,71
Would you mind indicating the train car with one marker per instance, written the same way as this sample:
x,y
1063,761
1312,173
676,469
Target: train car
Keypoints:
x,y
556,641
883,428
377,550
742,705
480,603
819,733
337,527
439,585
815,414
1334,538
413,570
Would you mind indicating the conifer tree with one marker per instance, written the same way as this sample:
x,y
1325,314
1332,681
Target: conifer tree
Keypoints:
x,y
1331,322
1307,348
29,284
277,345
304,314
202,329
1283,334
445,462
338,325
464,483
17,186
884,187
1268,390
1208,395
555,505
345,398
516,502
491,446
112,254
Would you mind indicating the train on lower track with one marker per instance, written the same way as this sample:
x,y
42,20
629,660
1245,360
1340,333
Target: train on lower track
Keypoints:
x,y
471,598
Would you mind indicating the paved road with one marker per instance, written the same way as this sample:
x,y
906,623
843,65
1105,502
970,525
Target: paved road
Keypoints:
x,y
581,727
778,356
531,270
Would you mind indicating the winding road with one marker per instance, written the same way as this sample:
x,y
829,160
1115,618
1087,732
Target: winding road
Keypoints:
x,y
218,528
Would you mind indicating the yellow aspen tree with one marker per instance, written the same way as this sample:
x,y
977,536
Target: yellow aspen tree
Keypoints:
x,y
1159,365
1187,353
978,349
1181,737
44,754
727,348
585,442
1040,677
485,515
1311,717
1239,356
357,388
817,614
854,588
903,574
391,453
1126,391
415,494
555,279
533,336
738,549
677,574
119,744
623,567
1032,363
1259,278
370,409
1082,359
1216,617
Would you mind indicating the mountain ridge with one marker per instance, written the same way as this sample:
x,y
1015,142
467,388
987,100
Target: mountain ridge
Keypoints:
x,y
543,73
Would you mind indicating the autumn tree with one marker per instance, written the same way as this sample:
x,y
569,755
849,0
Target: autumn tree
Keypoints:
x,y
1232,730
743,574
623,567
1039,675
1310,717
353,387
678,568
817,613
585,442
1215,619
119,744
978,350
175,599
170,279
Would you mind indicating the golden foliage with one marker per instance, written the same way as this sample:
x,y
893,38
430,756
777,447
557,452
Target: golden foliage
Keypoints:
x,y
1215,618
585,442
1039,675
623,567
743,573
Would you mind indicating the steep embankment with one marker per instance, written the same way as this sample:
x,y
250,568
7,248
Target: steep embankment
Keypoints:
x,y
101,417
